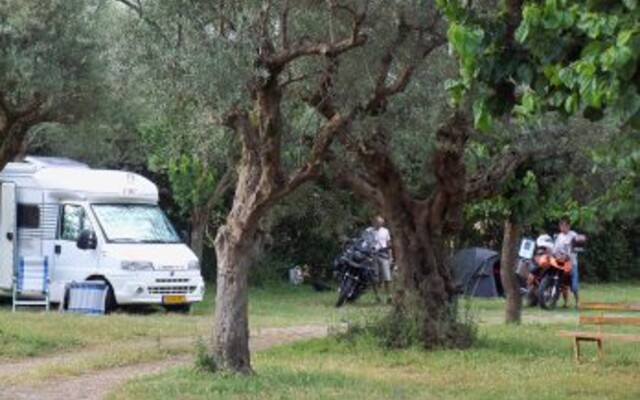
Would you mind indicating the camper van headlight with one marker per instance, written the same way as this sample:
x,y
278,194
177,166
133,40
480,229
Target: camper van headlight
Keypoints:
x,y
137,265
195,265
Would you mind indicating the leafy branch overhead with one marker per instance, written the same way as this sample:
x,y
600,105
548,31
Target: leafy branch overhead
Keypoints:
x,y
570,56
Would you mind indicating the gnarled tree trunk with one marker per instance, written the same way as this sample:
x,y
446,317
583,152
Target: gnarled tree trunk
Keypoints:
x,y
198,232
420,227
425,282
261,183
238,240
508,259
236,249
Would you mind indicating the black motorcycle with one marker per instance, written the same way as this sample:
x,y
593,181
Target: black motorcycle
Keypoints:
x,y
356,268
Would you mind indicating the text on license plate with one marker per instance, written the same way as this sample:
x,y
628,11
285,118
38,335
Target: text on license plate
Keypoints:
x,y
174,299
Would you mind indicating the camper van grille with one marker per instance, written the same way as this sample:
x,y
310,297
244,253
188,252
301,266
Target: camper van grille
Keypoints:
x,y
172,280
171,289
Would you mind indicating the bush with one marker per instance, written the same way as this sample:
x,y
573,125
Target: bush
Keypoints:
x,y
401,329
269,269
609,256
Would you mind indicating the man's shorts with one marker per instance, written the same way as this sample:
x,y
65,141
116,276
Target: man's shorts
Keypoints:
x,y
384,269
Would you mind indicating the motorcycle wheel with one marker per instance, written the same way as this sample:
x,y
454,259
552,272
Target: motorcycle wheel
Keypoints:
x,y
548,293
354,296
346,287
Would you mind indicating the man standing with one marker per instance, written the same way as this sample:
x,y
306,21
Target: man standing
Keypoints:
x,y
565,243
383,250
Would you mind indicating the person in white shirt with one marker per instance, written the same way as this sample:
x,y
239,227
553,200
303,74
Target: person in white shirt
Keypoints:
x,y
565,244
384,253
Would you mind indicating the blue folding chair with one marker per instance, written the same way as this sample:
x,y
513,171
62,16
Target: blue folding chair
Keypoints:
x,y
86,297
31,283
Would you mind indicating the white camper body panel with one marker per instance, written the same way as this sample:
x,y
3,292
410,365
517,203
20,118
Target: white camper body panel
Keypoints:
x,y
46,189
7,234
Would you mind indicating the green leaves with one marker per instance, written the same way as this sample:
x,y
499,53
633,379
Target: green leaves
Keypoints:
x,y
482,119
192,182
530,104
466,42
570,56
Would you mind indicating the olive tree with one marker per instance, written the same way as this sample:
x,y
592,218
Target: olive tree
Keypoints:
x,y
49,67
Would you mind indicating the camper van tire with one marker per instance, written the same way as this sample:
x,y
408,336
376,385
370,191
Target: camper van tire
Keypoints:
x,y
110,299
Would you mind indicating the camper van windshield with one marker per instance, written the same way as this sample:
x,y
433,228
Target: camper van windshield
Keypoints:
x,y
134,223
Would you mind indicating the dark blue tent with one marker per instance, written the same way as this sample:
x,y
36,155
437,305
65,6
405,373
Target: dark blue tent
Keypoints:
x,y
477,271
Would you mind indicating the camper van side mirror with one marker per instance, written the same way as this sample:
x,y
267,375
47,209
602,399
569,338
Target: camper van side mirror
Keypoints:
x,y
87,240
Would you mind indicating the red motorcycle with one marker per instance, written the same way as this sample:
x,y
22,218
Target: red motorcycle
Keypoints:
x,y
549,279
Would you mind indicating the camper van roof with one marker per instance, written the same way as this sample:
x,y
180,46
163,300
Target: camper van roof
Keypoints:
x,y
44,162
63,178
95,184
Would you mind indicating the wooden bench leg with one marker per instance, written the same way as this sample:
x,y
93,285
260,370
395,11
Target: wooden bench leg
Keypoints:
x,y
576,349
600,350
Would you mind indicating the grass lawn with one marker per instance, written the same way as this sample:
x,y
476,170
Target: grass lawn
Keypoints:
x,y
516,362
28,333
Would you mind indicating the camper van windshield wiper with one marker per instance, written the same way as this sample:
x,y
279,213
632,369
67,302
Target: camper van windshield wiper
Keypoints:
x,y
146,241
126,240
157,241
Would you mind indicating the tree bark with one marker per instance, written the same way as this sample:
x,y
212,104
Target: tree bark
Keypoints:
x,y
198,232
425,282
508,259
237,244
14,126
419,229
236,251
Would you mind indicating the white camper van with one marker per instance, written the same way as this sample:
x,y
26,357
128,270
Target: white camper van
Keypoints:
x,y
94,225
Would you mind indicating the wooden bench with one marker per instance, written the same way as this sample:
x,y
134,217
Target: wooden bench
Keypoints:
x,y
600,321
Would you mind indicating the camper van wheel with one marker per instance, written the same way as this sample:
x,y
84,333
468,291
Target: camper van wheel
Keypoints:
x,y
178,308
109,300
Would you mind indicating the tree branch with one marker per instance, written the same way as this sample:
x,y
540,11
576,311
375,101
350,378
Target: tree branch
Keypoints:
x,y
137,8
318,154
490,181
276,61
264,19
311,48
382,91
238,121
284,24
321,99
361,185
4,107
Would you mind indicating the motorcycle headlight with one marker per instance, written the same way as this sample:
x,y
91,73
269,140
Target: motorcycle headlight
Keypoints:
x,y
137,265
194,265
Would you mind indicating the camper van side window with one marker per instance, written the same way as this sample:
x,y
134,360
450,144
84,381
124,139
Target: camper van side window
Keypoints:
x,y
28,216
73,221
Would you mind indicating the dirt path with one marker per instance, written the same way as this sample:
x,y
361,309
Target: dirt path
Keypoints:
x,y
97,384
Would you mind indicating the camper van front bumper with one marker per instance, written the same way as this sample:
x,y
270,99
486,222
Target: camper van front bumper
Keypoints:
x,y
155,290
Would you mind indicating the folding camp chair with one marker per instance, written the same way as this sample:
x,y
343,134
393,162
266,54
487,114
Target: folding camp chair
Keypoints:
x,y
86,297
31,283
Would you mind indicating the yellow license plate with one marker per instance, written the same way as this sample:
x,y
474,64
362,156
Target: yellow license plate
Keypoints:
x,y
174,299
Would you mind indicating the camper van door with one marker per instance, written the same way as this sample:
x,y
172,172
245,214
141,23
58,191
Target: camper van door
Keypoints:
x,y
7,234
70,262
